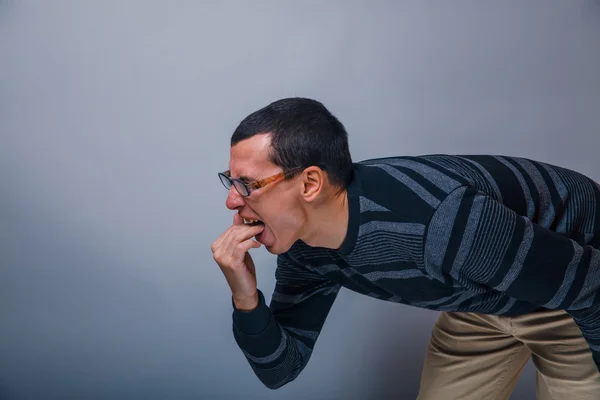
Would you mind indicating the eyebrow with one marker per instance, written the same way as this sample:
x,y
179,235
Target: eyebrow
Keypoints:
x,y
246,178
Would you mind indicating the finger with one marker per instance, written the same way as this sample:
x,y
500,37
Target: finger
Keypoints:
x,y
237,219
245,232
237,256
246,245
227,243
231,233
221,240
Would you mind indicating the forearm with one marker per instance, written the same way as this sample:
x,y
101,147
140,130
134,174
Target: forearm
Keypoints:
x,y
484,245
270,351
246,303
278,340
478,241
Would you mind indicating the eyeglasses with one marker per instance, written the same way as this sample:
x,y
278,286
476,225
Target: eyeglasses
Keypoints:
x,y
245,188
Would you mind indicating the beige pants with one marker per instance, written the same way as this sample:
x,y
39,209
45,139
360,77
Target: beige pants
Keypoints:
x,y
480,357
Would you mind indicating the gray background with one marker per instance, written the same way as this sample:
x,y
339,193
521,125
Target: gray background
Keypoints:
x,y
115,117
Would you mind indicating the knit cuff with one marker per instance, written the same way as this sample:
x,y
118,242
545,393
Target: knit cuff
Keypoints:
x,y
255,321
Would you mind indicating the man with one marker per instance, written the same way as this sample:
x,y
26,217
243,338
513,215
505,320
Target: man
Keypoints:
x,y
505,247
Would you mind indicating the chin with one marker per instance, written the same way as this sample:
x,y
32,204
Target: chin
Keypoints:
x,y
276,248
271,250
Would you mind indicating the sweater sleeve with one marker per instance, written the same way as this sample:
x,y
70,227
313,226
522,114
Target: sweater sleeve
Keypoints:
x,y
278,339
484,245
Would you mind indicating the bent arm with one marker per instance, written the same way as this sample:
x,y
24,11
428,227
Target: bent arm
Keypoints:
x,y
479,242
278,340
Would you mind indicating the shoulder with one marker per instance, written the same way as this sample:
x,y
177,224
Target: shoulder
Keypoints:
x,y
409,186
435,168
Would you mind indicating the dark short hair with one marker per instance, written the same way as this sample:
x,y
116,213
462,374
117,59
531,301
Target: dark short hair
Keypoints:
x,y
303,133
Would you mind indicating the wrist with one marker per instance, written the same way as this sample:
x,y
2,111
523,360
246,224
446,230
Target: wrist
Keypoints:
x,y
246,303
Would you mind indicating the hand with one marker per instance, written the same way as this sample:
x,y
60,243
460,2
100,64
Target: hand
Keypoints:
x,y
230,251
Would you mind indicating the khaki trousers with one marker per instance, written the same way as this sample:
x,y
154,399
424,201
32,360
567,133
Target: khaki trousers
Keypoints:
x,y
480,357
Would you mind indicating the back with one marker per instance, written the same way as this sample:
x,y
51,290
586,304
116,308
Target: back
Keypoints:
x,y
553,197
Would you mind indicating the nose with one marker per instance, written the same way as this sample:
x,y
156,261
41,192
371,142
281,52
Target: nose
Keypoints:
x,y
234,199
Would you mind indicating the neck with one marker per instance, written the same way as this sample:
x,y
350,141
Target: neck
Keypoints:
x,y
327,222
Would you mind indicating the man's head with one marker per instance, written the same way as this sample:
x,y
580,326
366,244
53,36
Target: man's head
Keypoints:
x,y
294,156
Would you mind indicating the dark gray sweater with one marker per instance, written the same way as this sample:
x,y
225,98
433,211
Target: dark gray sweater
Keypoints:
x,y
486,234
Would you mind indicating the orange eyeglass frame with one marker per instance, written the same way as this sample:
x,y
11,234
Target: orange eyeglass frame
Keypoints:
x,y
245,188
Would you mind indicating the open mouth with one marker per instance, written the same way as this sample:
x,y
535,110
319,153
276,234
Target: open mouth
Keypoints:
x,y
255,222
252,221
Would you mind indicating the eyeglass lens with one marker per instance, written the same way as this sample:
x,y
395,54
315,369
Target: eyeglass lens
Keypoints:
x,y
239,186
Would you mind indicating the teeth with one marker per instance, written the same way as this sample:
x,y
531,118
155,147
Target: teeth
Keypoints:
x,y
250,221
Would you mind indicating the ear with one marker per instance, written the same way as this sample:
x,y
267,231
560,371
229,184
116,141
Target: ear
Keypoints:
x,y
313,182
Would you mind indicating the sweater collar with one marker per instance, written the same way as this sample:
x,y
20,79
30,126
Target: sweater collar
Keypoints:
x,y
354,190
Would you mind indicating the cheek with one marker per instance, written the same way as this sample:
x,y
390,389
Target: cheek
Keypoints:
x,y
286,220
283,217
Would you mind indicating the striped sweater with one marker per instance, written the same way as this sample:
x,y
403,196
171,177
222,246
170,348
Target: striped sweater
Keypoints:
x,y
478,233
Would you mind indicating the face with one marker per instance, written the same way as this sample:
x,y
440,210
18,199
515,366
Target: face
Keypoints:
x,y
277,205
